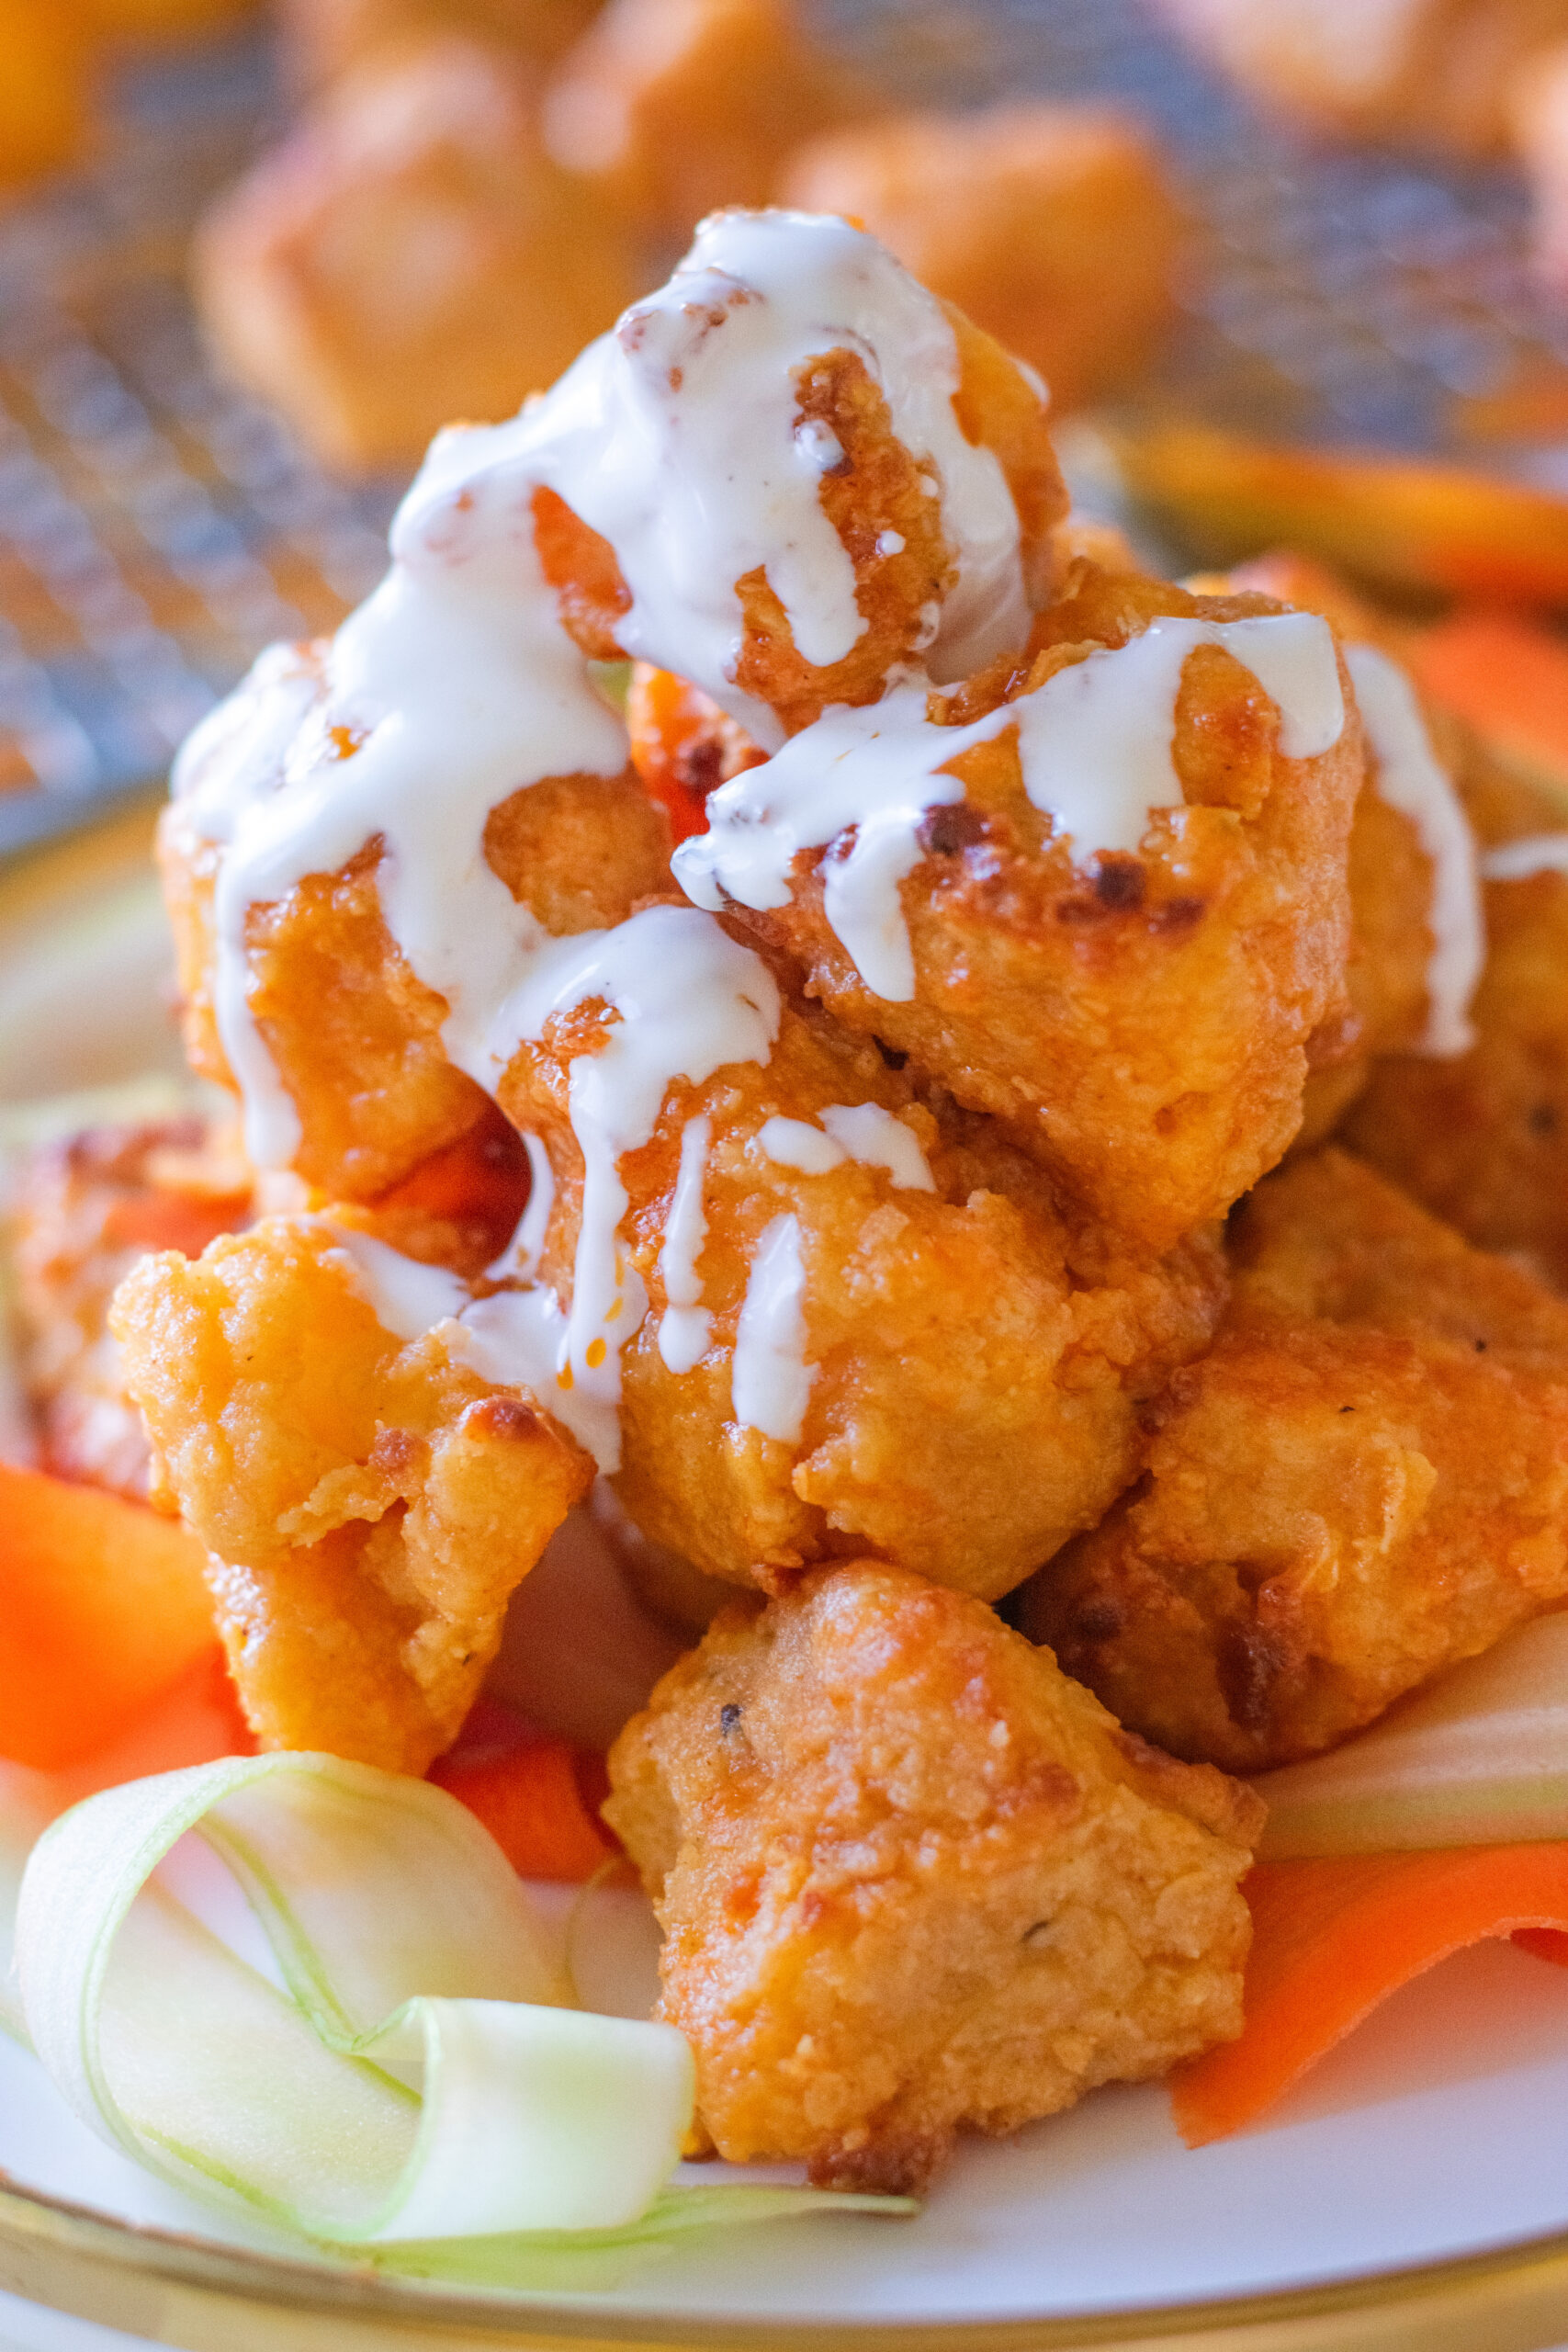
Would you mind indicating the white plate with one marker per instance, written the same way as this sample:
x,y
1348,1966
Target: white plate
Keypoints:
x,y
1440,2131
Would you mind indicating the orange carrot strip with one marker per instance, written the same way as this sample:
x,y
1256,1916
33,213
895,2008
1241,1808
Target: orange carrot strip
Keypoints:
x,y
1332,1938
1399,521
103,1608
668,721
195,1722
530,1797
1508,678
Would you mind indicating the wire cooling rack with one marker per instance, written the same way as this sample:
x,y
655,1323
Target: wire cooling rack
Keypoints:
x,y
157,526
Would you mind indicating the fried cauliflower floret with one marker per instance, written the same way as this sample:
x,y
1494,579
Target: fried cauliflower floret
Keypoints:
x,y
1482,1140
913,1880
976,1364
1142,1026
1364,1482
369,1504
355,1037
877,496
1432,74
409,254
325,38
669,107
1052,225
87,1209
1393,879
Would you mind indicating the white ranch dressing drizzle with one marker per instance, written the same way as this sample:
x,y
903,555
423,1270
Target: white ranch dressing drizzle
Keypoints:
x,y
685,1326
675,437
690,1000
1095,749
1411,779
1520,860
452,686
513,1338
859,1131
878,1140
770,1380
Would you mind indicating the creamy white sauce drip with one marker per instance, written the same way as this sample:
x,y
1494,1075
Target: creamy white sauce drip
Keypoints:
x,y
859,1131
689,1000
1095,749
1411,779
1519,861
513,1338
675,437
685,1326
450,688
877,1140
770,1378
407,1297
455,685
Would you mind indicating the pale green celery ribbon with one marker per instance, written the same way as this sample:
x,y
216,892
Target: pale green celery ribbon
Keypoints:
x,y
1478,1758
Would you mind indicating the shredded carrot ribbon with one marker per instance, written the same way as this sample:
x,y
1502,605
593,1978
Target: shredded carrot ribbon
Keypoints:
x,y
539,1798
103,1608
1333,1937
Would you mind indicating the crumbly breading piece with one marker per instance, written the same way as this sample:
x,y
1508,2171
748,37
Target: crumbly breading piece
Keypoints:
x,y
409,254
878,499
369,1504
670,107
1482,1140
1429,73
1052,225
1143,1029
913,1880
355,1034
85,1209
977,1363
1365,1481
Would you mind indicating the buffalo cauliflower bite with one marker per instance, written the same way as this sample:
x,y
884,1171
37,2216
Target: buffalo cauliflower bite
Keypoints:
x,y
1053,225
666,108
1394,881
1142,1024
1364,1482
1482,1140
975,1362
355,1034
878,496
409,254
369,1504
1432,74
87,1209
913,1879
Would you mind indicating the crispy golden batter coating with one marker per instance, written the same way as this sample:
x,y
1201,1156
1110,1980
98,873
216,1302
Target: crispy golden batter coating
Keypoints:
x,y
409,254
1391,875
978,1363
1052,225
87,1209
357,1037
1482,1140
369,1506
670,107
913,1879
1143,1031
1429,72
879,503
1366,1481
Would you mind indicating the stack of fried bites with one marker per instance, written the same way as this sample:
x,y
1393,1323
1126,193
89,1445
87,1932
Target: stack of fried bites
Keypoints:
x,y
808,1115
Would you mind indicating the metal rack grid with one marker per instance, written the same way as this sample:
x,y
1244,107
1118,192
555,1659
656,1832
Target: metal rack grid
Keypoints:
x,y
157,526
